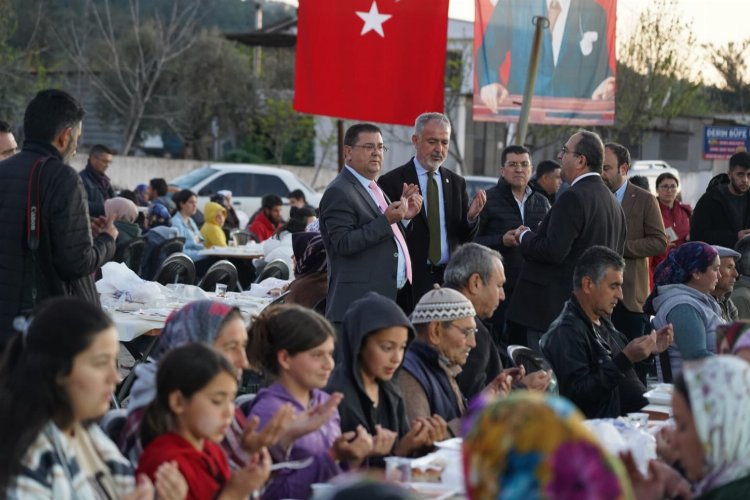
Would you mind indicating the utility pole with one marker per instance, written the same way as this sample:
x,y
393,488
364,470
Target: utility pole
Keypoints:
x,y
523,121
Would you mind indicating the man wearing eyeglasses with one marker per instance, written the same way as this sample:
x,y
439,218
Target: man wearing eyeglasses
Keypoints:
x,y
645,238
362,230
447,219
510,204
585,215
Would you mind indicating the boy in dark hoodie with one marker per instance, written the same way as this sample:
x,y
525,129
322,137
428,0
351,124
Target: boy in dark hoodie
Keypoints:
x,y
375,335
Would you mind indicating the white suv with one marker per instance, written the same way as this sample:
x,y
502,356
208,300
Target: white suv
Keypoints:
x,y
248,184
652,169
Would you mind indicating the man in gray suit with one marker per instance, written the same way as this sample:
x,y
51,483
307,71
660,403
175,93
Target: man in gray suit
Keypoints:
x,y
362,231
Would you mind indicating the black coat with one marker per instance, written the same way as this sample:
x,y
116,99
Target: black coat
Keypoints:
x,y
714,222
482,365
457,227
500,215
97,191
592,370
587,214
67,256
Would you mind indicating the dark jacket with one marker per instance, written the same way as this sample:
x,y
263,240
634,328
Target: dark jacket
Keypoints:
x,y
587,214
67,256
367,315
98,190
534,184
482,365
456,204
422,362
500,215
714,222
591,369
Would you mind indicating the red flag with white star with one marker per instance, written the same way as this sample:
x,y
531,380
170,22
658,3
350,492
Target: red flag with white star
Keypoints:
x,y
371,60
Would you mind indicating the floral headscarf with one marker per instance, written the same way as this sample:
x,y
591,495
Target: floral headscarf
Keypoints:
x,y
719,391
733,336
197,321
531,446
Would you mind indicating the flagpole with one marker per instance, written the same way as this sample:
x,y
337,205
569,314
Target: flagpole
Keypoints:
x,y
340,129
523,121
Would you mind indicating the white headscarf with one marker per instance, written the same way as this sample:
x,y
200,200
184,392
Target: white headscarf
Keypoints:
x,y
719,390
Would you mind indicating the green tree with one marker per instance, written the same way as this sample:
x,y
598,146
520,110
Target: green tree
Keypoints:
x,y
286,134
730,61
212,81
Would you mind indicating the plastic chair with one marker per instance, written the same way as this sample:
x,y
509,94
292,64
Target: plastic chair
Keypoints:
x,y
275,269
177,268
131,253
155,255
222,271
532,362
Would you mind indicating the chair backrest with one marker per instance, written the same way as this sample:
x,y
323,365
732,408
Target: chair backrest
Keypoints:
x,y
177,268
222,271
531,361
275,269
131,253
155,255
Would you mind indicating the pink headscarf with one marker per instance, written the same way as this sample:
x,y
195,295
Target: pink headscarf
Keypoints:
x,y
121,208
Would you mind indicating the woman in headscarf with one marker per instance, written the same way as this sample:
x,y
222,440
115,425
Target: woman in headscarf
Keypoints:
x,y
682,284
310,284
125,213
531,446
711,405
205,321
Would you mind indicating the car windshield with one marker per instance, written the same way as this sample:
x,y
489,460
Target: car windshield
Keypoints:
x,y
190,179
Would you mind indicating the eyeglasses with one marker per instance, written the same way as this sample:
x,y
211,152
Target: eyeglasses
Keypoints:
x,y
369,147
668,187
516,164
564,150
468,331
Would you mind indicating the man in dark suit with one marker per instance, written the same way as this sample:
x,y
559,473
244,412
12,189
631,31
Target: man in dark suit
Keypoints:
x,y
645,238
587,214
362,232
574,59
440,227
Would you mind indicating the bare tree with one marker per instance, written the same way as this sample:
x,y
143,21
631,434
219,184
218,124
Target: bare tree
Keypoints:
x,y
730,62
655,77
124,59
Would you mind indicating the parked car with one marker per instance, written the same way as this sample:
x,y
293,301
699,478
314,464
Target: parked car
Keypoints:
x,y
476,182
651,169
248,184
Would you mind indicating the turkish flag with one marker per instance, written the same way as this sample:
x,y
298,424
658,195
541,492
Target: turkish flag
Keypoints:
x,y
371,60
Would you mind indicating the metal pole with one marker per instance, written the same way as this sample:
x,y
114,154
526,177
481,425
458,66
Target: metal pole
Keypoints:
x,y
257,49
523,121
340,129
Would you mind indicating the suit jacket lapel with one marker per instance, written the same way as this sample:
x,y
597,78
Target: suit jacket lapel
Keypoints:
x,y
362,192
628,199
447,193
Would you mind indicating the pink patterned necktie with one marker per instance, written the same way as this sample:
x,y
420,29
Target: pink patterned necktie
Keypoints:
x,y
396,231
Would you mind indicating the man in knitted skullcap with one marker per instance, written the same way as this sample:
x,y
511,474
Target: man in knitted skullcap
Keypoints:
x,y
444,322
